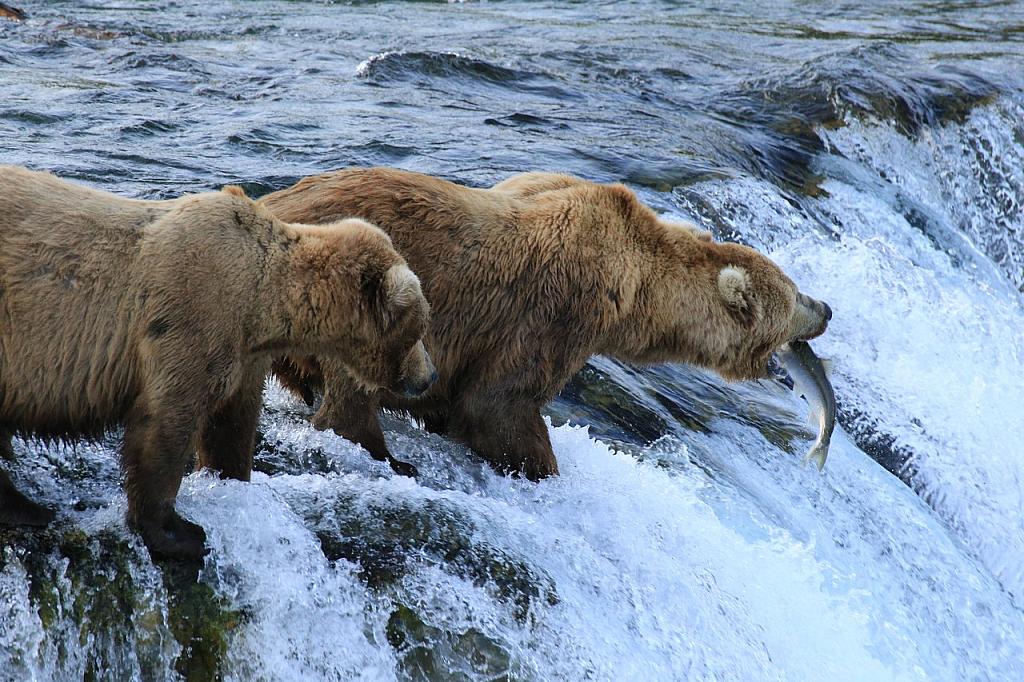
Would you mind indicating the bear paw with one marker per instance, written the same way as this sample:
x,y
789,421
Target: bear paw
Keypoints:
x,y
18,510
403,468
175,538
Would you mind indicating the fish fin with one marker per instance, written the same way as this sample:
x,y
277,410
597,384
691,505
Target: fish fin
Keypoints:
x,y
818,454
827,365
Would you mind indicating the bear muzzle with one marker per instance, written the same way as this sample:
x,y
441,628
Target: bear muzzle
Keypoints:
x,y
810,318
418,372
414,390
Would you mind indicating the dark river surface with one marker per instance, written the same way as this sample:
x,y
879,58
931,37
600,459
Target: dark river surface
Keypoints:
x,y
874,149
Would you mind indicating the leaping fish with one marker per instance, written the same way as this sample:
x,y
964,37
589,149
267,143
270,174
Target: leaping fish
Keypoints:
x,y
810,379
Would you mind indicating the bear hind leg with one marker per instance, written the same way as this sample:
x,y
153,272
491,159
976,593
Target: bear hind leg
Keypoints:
x,y
513,438
15,508
18,510
228,438
295,378
6,447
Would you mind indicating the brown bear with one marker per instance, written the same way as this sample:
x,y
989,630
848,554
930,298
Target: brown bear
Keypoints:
x,y
164,317
528,279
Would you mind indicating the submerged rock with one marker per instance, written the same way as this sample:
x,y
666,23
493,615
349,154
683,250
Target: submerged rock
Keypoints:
x,y
429,653
631,409
386,538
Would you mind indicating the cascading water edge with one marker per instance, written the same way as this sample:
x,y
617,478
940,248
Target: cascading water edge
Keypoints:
x,y
916,244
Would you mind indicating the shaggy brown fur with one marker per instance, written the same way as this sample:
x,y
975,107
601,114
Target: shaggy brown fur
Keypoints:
x,y
528,279
164,316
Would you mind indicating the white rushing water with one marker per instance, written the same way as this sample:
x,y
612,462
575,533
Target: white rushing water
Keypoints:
x,y
710,556
927,335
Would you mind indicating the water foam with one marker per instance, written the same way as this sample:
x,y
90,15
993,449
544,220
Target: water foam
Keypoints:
x,y
749,567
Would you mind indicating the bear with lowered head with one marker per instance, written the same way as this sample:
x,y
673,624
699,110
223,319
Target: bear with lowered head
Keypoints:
x,y
528,279
164,317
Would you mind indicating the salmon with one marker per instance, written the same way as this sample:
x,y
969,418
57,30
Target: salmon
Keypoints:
x,y
810,379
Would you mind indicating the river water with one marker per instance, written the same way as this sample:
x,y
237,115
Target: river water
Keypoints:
x,y
874,149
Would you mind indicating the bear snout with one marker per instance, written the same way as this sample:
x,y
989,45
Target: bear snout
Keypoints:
x,y
415,389
810,318
419,373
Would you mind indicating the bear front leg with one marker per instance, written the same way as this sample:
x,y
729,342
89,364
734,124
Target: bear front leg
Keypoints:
x,y
512,437
159,440
352,413
228,438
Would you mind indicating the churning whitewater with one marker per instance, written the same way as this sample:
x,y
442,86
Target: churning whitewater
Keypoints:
x,y
876,153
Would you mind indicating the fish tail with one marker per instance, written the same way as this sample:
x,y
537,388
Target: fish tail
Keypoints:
x,y
818,454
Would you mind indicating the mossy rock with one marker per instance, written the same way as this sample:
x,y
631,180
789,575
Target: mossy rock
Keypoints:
x,y
124,614
202,623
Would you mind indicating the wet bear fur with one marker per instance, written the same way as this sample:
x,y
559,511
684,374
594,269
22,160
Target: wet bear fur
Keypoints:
x,y
164,316
528,279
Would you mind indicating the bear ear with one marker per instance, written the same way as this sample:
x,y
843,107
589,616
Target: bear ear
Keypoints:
x,y
734,287
400,289
234,190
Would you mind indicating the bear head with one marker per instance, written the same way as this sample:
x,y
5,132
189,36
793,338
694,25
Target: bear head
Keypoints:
x,y
722,306
763,309
359,302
